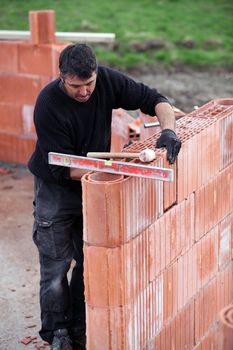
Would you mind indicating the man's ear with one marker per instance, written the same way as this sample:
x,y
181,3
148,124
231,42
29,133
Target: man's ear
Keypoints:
x,y
62,79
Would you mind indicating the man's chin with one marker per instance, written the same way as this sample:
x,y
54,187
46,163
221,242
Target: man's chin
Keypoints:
x,y
82,99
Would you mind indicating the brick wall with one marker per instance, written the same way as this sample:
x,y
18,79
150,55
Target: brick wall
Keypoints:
x,y
25,67
158,256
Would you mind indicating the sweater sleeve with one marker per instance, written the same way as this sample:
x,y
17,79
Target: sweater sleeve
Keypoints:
x,y
131,95
52,136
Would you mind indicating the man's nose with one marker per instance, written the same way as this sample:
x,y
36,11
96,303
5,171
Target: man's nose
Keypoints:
x,y
83,90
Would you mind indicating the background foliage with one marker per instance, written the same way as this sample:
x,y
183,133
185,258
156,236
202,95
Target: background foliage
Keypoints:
x,y
172,32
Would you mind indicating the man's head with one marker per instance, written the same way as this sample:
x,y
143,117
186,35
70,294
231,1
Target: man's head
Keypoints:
x,y
78,71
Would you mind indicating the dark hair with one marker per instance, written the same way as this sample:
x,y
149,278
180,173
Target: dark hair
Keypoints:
x,y
77,59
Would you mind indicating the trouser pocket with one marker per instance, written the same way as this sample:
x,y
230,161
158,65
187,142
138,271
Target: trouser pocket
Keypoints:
x,y
53,239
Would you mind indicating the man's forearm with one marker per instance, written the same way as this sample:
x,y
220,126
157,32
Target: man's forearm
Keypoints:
x,y
165,115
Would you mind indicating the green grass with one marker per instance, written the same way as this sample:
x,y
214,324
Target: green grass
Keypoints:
x,y
206,26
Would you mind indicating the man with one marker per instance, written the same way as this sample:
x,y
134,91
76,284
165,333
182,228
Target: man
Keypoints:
x,y
73,115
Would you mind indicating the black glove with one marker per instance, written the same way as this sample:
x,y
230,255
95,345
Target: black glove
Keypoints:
x,y
128,144
169,140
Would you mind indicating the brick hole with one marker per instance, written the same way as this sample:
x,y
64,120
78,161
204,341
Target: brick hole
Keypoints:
x,y
104,177
133,135
225,102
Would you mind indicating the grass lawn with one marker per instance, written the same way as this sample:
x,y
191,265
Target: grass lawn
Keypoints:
x,y
147,31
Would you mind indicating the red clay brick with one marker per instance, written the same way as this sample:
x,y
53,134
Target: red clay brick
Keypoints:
x,y
182,175
187,224
145,133
223,194
213,202
169,188
207,257
168,233
196,134
226,145
26,145
19,89
116,205
102,193
225,240
107,265
210,212
194,173
126,266
132,326
225,316
120,129
210,300
112,323
10,118
26,340
213,339
27,119
16,119
56,50
35,60
168,336
171,235
226,278
42,27
157,248
16,148
170,289
206,313
9,56
180,331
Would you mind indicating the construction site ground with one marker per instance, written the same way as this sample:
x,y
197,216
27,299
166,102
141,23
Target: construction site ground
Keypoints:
x,y
18,260
19,269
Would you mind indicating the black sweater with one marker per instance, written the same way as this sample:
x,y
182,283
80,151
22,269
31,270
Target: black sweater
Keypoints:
x,y
65,125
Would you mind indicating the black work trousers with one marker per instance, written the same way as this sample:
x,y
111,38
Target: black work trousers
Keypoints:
x,y
58,235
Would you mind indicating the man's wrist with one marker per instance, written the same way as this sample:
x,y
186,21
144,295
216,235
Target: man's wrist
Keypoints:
x,y
169,130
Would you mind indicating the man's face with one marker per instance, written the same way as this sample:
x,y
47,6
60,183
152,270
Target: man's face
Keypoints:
x,y
79,89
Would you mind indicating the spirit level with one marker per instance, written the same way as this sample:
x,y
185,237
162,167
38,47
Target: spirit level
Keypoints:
x,y
110,166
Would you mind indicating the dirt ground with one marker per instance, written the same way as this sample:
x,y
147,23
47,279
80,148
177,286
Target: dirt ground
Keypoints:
x,y
188,88
19,274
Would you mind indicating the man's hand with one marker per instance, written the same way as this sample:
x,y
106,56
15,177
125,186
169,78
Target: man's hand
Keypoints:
x,y
169,140
128,144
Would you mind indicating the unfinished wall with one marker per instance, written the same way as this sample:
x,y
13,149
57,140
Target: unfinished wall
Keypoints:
x,y
158,256
25,67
